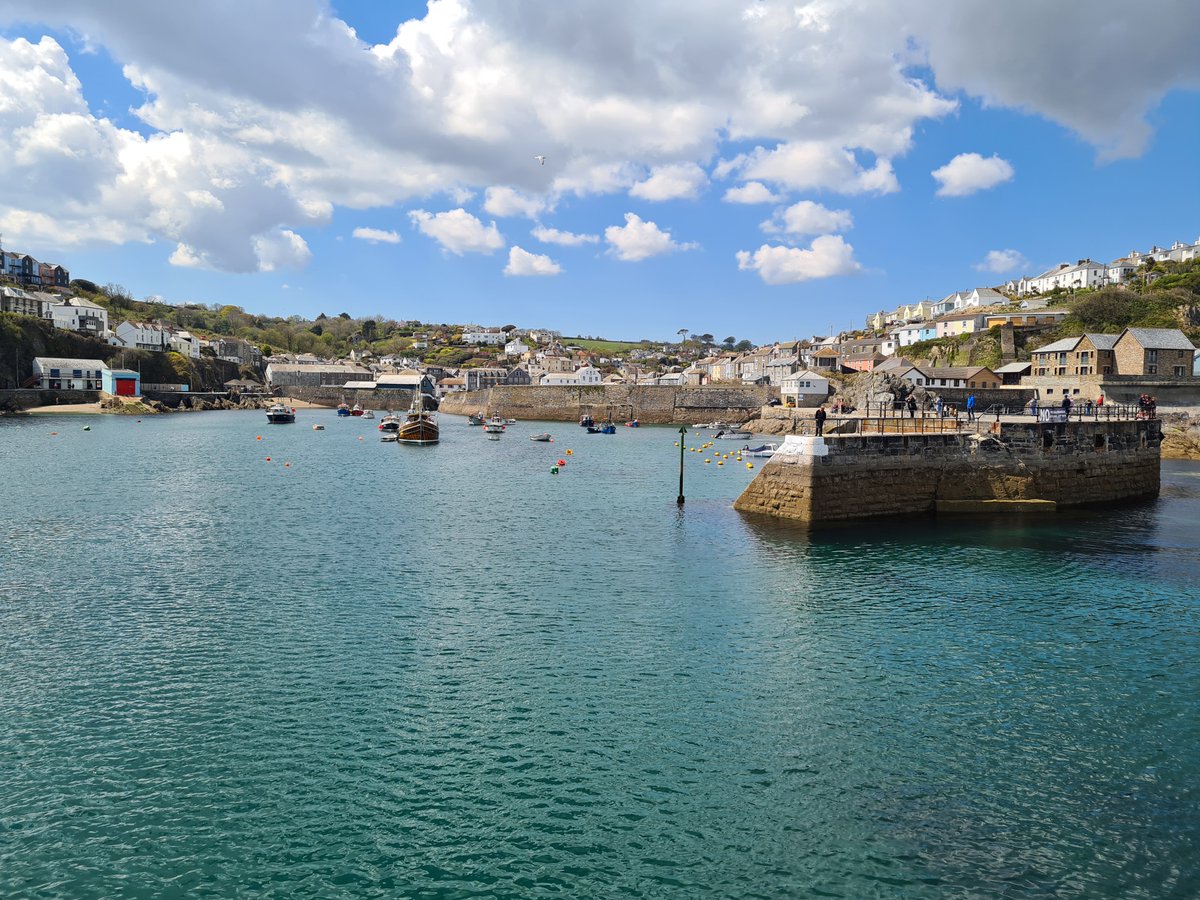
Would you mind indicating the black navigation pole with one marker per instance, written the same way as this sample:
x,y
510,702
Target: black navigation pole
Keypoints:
x,y
682,435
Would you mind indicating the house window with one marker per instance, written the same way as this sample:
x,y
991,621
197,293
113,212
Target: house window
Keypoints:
x,y
1151,370
1178,371
1151,356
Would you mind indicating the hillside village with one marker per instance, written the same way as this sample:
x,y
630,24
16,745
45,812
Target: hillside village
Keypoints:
x,y
1075,330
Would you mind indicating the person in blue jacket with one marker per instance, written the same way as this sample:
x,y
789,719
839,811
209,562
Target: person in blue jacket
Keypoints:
x,y
970,407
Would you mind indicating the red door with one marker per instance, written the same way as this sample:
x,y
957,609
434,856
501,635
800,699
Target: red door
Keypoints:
x,y
126,387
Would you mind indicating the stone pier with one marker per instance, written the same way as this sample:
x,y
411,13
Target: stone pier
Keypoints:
x,y
1018,466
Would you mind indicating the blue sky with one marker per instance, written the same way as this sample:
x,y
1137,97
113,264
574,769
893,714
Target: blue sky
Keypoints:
x,y
346,166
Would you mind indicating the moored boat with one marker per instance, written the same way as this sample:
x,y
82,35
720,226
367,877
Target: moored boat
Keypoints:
x,y
390,423
419,426
494,425
543,436
473,419
357,411
736,434
279,414
762,450
343,409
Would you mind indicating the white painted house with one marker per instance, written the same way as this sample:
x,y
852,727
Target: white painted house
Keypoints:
x,y
588,375
484,336
515,347
143,336
78,314
58,374
185,343
560,378
806,388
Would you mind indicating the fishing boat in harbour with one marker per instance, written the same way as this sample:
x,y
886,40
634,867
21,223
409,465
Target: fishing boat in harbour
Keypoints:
x,y
279,414
357,411
419,425
494,425
390,423
343,409
542,436
473,419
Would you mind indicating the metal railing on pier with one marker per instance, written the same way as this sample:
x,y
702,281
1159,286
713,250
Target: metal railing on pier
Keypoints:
x,y
893,418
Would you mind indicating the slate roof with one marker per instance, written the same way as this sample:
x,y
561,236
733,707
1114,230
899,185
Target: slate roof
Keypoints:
x,y
1161,338
1066,345
1102,341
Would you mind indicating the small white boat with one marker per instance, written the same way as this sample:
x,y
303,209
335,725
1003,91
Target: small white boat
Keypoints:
x,y
735,435
510,421
544,436
763,450
493,435
389,437
318,428
494,425
369,414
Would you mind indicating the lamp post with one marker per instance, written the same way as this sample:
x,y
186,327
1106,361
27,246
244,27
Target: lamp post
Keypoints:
x,y
682,435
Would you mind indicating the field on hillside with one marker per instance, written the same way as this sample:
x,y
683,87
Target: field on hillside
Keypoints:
x,y
602,346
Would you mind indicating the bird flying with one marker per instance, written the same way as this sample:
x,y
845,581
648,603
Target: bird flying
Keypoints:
x,y
541,159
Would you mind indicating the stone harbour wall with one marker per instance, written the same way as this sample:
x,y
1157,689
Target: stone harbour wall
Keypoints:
x,y
862,476
649,404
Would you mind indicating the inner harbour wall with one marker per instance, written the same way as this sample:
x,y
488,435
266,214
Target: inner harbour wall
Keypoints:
x,y
649,404
1008,466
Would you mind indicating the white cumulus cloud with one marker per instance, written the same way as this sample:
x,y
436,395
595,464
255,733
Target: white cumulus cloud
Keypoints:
x,y
810,166
637,240
679,181
522,262
968,173
458,231
376,235
828,256
751,192
1001,262
506,202
807,217
563,238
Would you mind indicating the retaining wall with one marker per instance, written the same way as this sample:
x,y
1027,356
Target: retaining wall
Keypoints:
x,y
861,476
27,398
650,404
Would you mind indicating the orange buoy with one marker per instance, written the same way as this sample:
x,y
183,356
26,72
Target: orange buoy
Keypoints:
x,y
268,459
287,465
258,437
562,462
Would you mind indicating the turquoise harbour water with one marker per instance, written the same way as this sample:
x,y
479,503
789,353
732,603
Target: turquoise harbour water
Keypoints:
x,y
392,671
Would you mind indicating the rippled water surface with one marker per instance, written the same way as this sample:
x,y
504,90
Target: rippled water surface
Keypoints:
x,y
444,672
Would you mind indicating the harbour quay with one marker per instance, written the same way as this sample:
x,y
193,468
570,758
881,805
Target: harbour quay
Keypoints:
x,y
1014,465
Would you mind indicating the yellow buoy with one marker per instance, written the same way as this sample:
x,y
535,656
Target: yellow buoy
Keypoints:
x,y
720,462
708,460
749,465
570,452
677,443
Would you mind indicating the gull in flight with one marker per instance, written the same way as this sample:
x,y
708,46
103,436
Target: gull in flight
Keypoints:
x,y
541,159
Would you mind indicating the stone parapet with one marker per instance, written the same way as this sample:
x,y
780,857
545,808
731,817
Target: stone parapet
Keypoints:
x,y
842,477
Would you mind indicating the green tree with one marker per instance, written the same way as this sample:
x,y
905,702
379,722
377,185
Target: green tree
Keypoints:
x,y
729,342
369,329
743,345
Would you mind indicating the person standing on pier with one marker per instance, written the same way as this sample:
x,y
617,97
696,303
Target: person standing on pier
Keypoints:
x,y
819,418
1066,404
970,407
912,406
